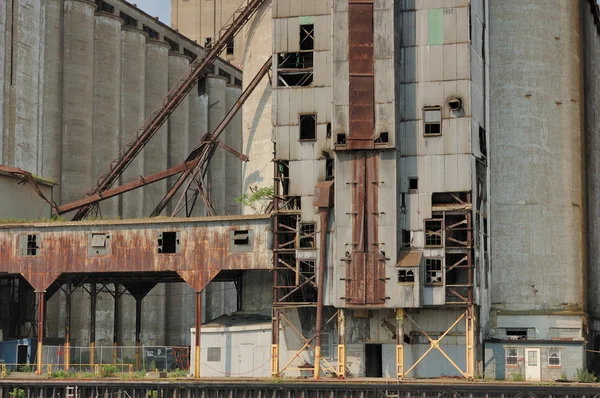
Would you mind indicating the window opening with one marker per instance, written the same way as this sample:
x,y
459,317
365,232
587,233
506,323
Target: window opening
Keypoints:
x,y
224,74
516,334
405,238
190,54
104,7
511,357
326,345
383,138
307,234
433,271
308,127
433,121
207,43
202,85
553,356
406,276
230,47
307,37
241,237
329,130
413,183
168,242
174,45
295,79
482,142
329,169
151,32
341,139
433,233
128,20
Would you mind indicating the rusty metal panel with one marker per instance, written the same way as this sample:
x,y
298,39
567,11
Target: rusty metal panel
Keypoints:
x,y
356,270
358,201
205,248
362,81
323,194
375,260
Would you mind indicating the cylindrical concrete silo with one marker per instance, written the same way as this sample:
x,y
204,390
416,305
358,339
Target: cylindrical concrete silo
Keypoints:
x,y
133,102
51,123
232,136
107,100
198,126
78,90
155,152
536,156
216,90
178,121
257,123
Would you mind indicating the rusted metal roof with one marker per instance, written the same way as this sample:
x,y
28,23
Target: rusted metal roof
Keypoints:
x,y
410,258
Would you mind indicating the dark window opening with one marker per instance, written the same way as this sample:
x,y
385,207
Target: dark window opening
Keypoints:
x,y
446,198
406,276
295,79
308,127
373,360
329,169
329,130
128,20
224,74
518,334
230,47
457,230
383,138
174,45
238,82
241,237
511,356
483,41
284,176
295,61
168,242
433,121
341,139
151,32
433,271
405,238
32,246
190,54
103,6
482,141
207,43
307,37
413,183
307,235
433,233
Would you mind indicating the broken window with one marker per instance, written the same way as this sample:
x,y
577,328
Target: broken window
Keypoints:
x,y
128,20
413,183
482,142
151,32
230,47
240,241
511,357
433,121
406,276
405,238
341,139
190,54
241,237
457,230
174,45
433,233
29,245
307,37
329,169
383,138
433,271
308,127
298,79
168,242
307,235
213,354
553,356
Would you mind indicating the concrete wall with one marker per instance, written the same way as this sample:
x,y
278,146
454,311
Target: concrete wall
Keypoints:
x,y
21,202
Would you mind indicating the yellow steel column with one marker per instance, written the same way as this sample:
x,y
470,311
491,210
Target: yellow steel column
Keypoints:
x,y
470,342
40,336
275,344
341,344
400,343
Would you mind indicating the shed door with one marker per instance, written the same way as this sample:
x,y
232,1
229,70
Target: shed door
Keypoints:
x,y
246,366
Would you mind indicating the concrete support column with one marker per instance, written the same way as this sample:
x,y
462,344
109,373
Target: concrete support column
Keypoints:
x,y
78,91
40,331
470,341
69,291
116,322
216,89
93,295
155,152
341,343
133,102
107,100
198,127
178,121
275,344
198,334
400,343
232,136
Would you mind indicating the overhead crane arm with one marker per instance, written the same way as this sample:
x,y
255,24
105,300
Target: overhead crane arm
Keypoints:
x,y
169,104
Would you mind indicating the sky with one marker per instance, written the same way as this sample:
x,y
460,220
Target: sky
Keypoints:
x,y
156,8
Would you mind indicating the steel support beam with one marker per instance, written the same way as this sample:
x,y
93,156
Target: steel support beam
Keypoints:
x,y
93,294
116,297
341,343
40,331
68,294
138,329
198,333
400,343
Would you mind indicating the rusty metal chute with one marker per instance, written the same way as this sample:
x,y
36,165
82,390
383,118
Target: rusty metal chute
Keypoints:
x,y
157,118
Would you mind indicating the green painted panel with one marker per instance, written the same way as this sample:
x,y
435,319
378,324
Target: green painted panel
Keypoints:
x,y
435,27
306,20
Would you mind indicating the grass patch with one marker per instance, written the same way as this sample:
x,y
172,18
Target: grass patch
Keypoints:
x,y
178,373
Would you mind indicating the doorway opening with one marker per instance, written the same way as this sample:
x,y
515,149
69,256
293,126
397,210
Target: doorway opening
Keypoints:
x,y
22,354
373,360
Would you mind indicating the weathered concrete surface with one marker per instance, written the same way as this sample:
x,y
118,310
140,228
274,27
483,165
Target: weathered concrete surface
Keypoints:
x,y
257,123
78,91
536,155
178,122
232,136
52,85
107,100
198,119
155,152
133,92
